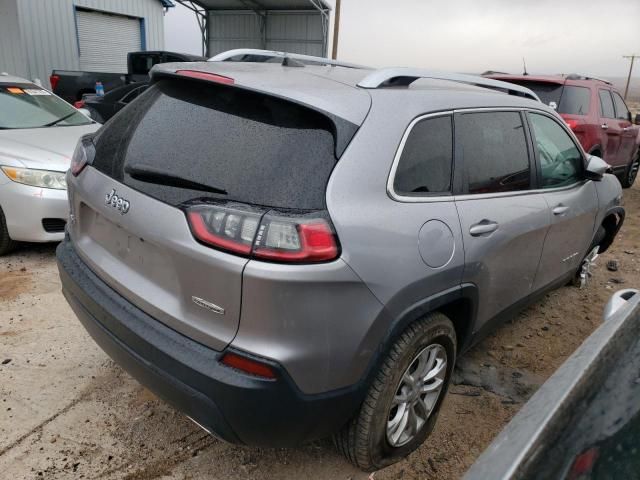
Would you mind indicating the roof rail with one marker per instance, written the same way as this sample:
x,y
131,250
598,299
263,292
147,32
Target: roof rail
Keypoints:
x,y
577,76
391,77
229,54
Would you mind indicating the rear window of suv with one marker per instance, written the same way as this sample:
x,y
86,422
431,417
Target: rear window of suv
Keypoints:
x,y
184,139
425,164
569,99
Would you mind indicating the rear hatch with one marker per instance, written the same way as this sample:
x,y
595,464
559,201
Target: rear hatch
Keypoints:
x,y
187,141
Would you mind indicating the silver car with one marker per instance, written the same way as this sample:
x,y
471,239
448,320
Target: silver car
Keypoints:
x,y
584,422
38,132
286,252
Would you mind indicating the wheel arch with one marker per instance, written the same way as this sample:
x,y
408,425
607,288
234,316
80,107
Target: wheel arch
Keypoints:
x,y
612,222
459,304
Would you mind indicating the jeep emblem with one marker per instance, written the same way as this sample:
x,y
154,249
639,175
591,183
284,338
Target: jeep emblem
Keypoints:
x,y
117,202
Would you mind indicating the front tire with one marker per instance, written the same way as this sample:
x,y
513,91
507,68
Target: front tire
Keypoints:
x,y
402,404
6,244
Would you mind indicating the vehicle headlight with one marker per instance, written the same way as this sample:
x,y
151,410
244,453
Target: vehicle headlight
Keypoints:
x,y
37,178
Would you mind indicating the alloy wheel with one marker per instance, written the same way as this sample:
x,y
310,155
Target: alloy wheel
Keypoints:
x,y
585,269
416,395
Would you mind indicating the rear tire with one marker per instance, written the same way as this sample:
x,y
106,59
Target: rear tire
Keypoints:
x,y
631,172
6,244
425,352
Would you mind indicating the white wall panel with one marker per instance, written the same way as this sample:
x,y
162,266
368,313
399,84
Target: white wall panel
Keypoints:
x,y
12,55
297,32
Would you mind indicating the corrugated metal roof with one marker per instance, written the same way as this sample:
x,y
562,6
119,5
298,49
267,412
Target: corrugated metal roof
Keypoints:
x,y
258,4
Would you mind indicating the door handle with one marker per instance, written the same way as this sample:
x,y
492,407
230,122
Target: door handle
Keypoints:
x,y
604,126
482,228
560,210
626,129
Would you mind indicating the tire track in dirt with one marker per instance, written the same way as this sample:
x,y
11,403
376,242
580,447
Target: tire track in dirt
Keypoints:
x,y
38,428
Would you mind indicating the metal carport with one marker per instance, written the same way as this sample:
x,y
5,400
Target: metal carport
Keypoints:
x,y
297,26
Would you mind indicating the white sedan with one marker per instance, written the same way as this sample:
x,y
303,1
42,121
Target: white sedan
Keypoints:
x,y
38,133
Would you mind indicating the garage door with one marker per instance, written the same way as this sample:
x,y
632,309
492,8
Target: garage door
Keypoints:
x,y
105,40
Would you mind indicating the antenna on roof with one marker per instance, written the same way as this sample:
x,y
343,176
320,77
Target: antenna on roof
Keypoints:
x,y
525,66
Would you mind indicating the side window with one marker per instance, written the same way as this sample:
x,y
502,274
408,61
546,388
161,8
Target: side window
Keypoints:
x,y
560,159
494,152
622,112
425,162
606,104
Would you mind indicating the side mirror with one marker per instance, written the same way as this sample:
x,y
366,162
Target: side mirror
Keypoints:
x,y
618,301
596,168
637,119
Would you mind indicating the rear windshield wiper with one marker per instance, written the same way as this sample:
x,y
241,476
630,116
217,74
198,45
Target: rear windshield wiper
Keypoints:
x,y
148,174
62,119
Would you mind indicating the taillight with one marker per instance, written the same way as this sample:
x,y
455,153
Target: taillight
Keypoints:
x,y
210,77
573,123
583,464
310,240
79,104
82,155
53,80
265,235
226,228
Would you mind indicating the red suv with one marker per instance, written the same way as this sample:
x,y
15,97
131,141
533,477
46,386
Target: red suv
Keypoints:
x,y
596,113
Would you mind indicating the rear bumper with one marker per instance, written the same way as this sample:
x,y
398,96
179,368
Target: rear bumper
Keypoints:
x,y
25,207
234,406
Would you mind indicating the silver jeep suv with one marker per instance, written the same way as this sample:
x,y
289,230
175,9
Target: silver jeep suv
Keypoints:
x,y
287,252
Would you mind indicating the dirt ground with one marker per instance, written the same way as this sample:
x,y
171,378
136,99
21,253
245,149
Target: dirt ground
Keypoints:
x,y
67,411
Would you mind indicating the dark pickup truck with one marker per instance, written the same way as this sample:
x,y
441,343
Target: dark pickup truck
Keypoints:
x,y
72,85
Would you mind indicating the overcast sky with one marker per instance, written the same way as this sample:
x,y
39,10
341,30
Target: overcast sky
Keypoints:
x,y
554,36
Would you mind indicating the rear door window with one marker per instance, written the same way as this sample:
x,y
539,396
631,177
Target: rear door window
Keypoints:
x,y
575,100
494,152
606,104
425,163
622,112
185,139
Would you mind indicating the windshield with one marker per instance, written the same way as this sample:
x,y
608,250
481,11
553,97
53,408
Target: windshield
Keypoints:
x,y
29,106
